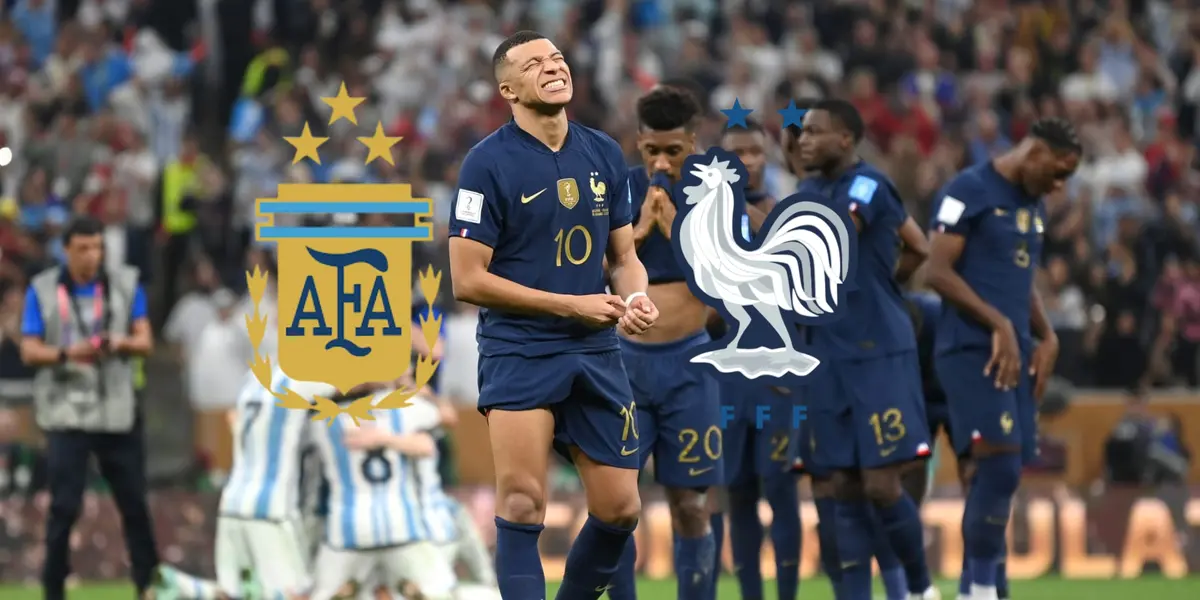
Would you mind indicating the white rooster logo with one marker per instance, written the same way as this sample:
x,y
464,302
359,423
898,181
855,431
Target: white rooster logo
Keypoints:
x,y
804,259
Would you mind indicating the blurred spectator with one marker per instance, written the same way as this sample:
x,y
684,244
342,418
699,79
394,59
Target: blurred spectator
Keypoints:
x,y
181,191
1067,309
216,372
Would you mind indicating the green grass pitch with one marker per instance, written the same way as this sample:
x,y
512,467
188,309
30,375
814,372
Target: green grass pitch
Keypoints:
x,y
812,589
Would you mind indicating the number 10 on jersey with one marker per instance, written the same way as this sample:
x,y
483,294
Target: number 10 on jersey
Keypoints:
x,y
568,247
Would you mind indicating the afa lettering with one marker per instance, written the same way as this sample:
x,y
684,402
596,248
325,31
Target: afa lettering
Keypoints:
x,y
378,305
762,415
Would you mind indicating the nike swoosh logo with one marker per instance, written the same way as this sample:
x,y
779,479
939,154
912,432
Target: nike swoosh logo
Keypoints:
x,y
625,452
527,199
602,588
695,472
887,451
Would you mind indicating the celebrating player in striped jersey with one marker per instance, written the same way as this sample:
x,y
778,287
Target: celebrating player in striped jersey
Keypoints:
x,y
257,529
375,518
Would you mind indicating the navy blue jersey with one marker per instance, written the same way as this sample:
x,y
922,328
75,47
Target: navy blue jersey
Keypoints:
x,y
656,251
547,216
928,310
1003,230
877,321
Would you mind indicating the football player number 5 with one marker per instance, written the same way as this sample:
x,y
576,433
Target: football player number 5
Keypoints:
x,y
889,426
566,245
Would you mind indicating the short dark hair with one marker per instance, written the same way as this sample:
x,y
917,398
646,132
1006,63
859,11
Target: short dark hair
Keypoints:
x,y
844,113
1058,133
667,107
806,104
501,54
752,126
82,226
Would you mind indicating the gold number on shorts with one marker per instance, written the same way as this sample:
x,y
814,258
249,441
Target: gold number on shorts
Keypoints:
x,y
889,426
1021,254
564,246
630,414
690,437
779,447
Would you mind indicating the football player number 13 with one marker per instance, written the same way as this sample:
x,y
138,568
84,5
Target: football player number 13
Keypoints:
x,y
889,426
566,245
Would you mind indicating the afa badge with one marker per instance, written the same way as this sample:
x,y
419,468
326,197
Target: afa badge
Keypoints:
x,y
345,292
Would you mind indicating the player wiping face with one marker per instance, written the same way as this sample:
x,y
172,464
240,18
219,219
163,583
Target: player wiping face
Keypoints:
x,y
986,246
540,208
866,411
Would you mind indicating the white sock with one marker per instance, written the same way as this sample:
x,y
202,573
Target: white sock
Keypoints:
x,y
983,592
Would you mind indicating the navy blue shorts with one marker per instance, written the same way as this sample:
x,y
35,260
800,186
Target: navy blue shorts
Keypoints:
x,y
678,412
867,413
588,393
758,437
979,411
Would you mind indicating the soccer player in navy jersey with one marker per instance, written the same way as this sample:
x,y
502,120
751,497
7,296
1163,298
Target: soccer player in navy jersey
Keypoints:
x,y
678,406
541,203
985,246
799,448
757,460
866,412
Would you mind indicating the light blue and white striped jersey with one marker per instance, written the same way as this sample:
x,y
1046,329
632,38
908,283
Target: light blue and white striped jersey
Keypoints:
x,y
439,513
374,496
264,482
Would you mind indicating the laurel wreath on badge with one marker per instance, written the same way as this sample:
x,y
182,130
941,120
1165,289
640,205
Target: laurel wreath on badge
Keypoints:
x,y
326,409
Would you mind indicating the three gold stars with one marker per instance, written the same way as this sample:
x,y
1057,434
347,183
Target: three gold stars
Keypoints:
x,y
343,105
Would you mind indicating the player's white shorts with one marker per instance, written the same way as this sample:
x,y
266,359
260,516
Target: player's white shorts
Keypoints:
x,y
271,550
419,563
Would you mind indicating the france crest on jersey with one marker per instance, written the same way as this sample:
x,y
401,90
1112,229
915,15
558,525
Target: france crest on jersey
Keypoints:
x,y
374,495
267,444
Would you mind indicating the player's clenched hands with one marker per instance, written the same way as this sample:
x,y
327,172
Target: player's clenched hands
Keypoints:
x,y
598,310
1005,364
639,316
1041,366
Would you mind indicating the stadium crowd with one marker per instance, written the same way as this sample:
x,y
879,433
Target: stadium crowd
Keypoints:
x,y
167,123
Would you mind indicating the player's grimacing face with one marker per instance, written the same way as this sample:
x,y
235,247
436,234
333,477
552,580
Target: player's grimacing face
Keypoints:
x,y
751,148
537,74
666,151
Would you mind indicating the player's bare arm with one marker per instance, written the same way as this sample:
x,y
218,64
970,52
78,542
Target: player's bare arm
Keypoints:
x,y
629,281
416,445
945,249
1041,365
914,251
473,283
